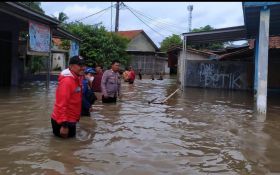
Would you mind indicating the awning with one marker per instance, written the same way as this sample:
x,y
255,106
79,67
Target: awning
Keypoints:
x,y
21,11
218,35
61,33
251,12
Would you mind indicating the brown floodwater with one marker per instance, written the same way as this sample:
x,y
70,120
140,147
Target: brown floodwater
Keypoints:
x,y
198,131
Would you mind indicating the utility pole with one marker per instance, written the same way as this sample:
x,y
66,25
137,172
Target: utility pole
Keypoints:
x,y
117,17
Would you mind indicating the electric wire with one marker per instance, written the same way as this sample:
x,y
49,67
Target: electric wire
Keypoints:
x,y
93,14
145,23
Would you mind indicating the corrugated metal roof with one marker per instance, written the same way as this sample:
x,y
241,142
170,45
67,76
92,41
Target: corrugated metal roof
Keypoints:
x,y
217,35
24,11
59,32
251,13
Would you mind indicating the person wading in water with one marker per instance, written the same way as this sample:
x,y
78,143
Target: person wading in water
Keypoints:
x,y
68,99
111,83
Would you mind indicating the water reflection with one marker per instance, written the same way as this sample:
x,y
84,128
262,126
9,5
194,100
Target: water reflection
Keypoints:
x,y
198,131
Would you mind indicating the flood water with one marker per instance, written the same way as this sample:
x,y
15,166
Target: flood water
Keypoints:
x,y
198,131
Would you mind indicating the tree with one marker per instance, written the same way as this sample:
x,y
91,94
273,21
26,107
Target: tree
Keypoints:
x,y
98,46
169,42
62,17
210,46
203,29
34,6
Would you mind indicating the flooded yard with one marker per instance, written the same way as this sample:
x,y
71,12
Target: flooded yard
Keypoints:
x,y
198,131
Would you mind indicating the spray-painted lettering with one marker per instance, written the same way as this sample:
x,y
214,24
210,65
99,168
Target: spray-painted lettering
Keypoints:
x,y
212,76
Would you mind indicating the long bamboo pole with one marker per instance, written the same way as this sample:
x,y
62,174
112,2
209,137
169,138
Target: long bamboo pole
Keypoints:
x,y
167,97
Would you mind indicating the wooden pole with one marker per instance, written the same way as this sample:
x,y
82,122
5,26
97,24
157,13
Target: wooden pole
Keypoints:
x,y
170,95
167,97
151,101
117,17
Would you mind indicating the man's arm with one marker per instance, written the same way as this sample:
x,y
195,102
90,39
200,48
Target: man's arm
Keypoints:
x,y
63,96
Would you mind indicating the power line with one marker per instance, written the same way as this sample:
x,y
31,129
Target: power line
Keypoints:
x,y
160,27
94,14
144,22
169,24
101,14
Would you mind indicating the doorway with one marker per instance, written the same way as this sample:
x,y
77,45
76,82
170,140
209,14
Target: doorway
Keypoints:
x,y
5,56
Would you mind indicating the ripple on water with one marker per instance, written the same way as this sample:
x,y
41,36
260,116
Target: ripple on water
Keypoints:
x,y
198,131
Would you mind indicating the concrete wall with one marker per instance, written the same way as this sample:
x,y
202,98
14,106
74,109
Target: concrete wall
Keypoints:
x,y
149,63
194,56
166,68
219,74
140,43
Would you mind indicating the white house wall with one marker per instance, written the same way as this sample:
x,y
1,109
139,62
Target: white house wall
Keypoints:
x,y
194,56
141,43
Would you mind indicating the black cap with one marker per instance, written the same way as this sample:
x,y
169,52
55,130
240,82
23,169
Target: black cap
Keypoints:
x,y
77,60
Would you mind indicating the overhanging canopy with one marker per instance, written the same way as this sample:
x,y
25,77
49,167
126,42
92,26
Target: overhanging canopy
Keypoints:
x,y
61,33
251,12
21,11
217,35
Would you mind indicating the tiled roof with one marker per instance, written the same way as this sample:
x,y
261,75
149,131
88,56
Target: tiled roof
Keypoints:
x,y
57,41
130,34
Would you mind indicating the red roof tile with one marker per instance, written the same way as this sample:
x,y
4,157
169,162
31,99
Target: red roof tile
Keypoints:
x,y
274,42
57,41
129,34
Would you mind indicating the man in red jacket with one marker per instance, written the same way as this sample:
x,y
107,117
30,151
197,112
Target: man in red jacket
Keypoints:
x,y
68,102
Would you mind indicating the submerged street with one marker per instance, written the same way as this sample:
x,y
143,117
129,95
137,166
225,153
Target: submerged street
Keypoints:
x,y
198,131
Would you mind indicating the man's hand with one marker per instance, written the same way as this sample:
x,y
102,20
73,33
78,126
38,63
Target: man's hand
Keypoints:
x,y
64,131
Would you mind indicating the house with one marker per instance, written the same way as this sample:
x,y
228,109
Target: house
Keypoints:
x,y
25,32
144,53
261,21
230,68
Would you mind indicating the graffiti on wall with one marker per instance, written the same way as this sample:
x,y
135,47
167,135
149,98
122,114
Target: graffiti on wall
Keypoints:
x,y
214,76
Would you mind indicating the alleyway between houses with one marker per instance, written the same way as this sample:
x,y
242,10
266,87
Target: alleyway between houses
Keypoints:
x,y
199,131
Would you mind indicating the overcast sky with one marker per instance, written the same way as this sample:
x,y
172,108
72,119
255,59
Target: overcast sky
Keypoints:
x,y
165,18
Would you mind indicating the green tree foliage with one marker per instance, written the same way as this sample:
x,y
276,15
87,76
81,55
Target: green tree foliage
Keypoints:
x,y
62,17
37,64
169,42
34,6
209,46
99,46
203,29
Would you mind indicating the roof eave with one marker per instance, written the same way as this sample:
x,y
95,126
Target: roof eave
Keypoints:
x,y
33,12
67,34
